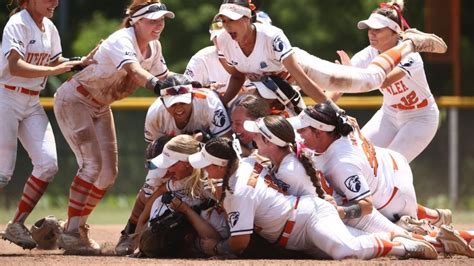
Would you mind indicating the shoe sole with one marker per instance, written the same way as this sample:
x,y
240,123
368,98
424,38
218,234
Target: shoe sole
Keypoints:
x,y
448,234
442,45
432,254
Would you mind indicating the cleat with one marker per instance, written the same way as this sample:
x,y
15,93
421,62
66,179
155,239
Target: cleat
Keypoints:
x,y
453,243
18,234
445,217
424,42
126,244
416,248
84,232
421,227
73,244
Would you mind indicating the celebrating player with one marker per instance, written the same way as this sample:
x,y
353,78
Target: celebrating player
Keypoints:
x,y
252,50
31,51
409,116
129,58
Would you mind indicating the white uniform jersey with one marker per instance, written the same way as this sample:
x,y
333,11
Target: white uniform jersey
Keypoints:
x,y
36,47
254,201
271,48
292,178
206,68
412,89
107,81
355,169
208,114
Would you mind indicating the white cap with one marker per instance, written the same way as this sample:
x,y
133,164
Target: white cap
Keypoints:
x,y
377,21
263,90
259,126
153,11
168,157
234,12
203,159
303,120
177,94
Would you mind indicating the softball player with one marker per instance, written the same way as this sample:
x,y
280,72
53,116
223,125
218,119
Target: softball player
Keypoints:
x,y
409,117
253,203
361,175
252,50
129,58
31,51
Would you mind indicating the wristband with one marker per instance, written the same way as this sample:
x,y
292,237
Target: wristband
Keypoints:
x,y
75,58
352,211
154,84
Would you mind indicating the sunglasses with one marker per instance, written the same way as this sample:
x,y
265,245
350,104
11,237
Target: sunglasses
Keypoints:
x,y
176,90
155,7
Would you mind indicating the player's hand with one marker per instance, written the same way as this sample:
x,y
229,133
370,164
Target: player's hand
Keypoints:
x,y
344,58
215,86
63,67
207,245
89,59
179,206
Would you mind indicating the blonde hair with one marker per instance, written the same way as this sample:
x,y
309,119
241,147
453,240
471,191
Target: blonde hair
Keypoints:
x,y
133,7
188,145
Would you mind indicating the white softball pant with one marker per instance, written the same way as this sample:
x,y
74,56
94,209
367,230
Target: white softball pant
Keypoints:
x,y
334,77
408,132
90,132
24,118
321,233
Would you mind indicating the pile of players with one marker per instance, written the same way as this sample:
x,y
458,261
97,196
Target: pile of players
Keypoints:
x,y
238,166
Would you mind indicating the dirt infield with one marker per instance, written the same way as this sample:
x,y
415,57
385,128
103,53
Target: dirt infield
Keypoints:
x,y
107,235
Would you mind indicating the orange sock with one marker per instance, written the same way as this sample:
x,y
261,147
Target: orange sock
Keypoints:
x,y
32,192
422,213
78,194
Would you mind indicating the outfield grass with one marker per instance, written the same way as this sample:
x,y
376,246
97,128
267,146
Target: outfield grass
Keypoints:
x,y
118,215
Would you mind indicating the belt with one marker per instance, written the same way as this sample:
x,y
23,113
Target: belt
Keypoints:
x,y
22,90
400,106
86,94
289,225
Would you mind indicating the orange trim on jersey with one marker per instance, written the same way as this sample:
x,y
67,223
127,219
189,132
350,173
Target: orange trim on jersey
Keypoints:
x,y
400,106
22,90
324,183
395,190
199,95
288,228
395,166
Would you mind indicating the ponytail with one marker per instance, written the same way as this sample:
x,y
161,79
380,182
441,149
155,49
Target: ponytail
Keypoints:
x,y
310,171
20,5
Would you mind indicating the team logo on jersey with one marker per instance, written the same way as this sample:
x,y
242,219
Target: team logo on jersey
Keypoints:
x,y
233,218
408,62
189,72
18,42
353,183
232,62
32,41
263,65
128,53
162,60
278,44
219,118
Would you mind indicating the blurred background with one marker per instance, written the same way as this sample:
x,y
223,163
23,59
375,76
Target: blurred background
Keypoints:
x,y
318,26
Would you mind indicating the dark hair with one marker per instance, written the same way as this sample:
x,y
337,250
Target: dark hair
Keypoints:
x,y
19,6
255,106
221,147
393,10
325,113
281,128
290,93
179,79
155,148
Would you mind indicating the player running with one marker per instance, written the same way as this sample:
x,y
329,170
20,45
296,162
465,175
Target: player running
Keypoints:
x,y
409,117
129,58
31,51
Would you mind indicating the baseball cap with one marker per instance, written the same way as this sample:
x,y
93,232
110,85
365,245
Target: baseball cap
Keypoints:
x,y
153,11
176,94
234,11
377,21
259,126
168,157
203,159
304,120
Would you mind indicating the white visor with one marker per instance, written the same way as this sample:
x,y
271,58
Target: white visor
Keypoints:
x,y
168,157
153,11
177,94
234,12
303,120
260,127
377,21
203,159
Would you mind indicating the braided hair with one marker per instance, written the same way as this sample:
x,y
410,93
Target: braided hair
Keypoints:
x,y
221,147
281,128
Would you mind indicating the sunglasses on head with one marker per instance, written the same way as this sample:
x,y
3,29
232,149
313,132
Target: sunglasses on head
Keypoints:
x,y
155,7
176,90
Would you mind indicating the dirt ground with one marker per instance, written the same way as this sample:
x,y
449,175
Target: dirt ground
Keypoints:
x,y
11,254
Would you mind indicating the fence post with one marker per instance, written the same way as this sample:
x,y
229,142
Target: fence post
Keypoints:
x,y
453,156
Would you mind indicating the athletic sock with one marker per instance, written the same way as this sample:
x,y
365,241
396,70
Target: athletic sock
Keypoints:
x,y
427,214
32,192
389,59
137,210
78,194
93,199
